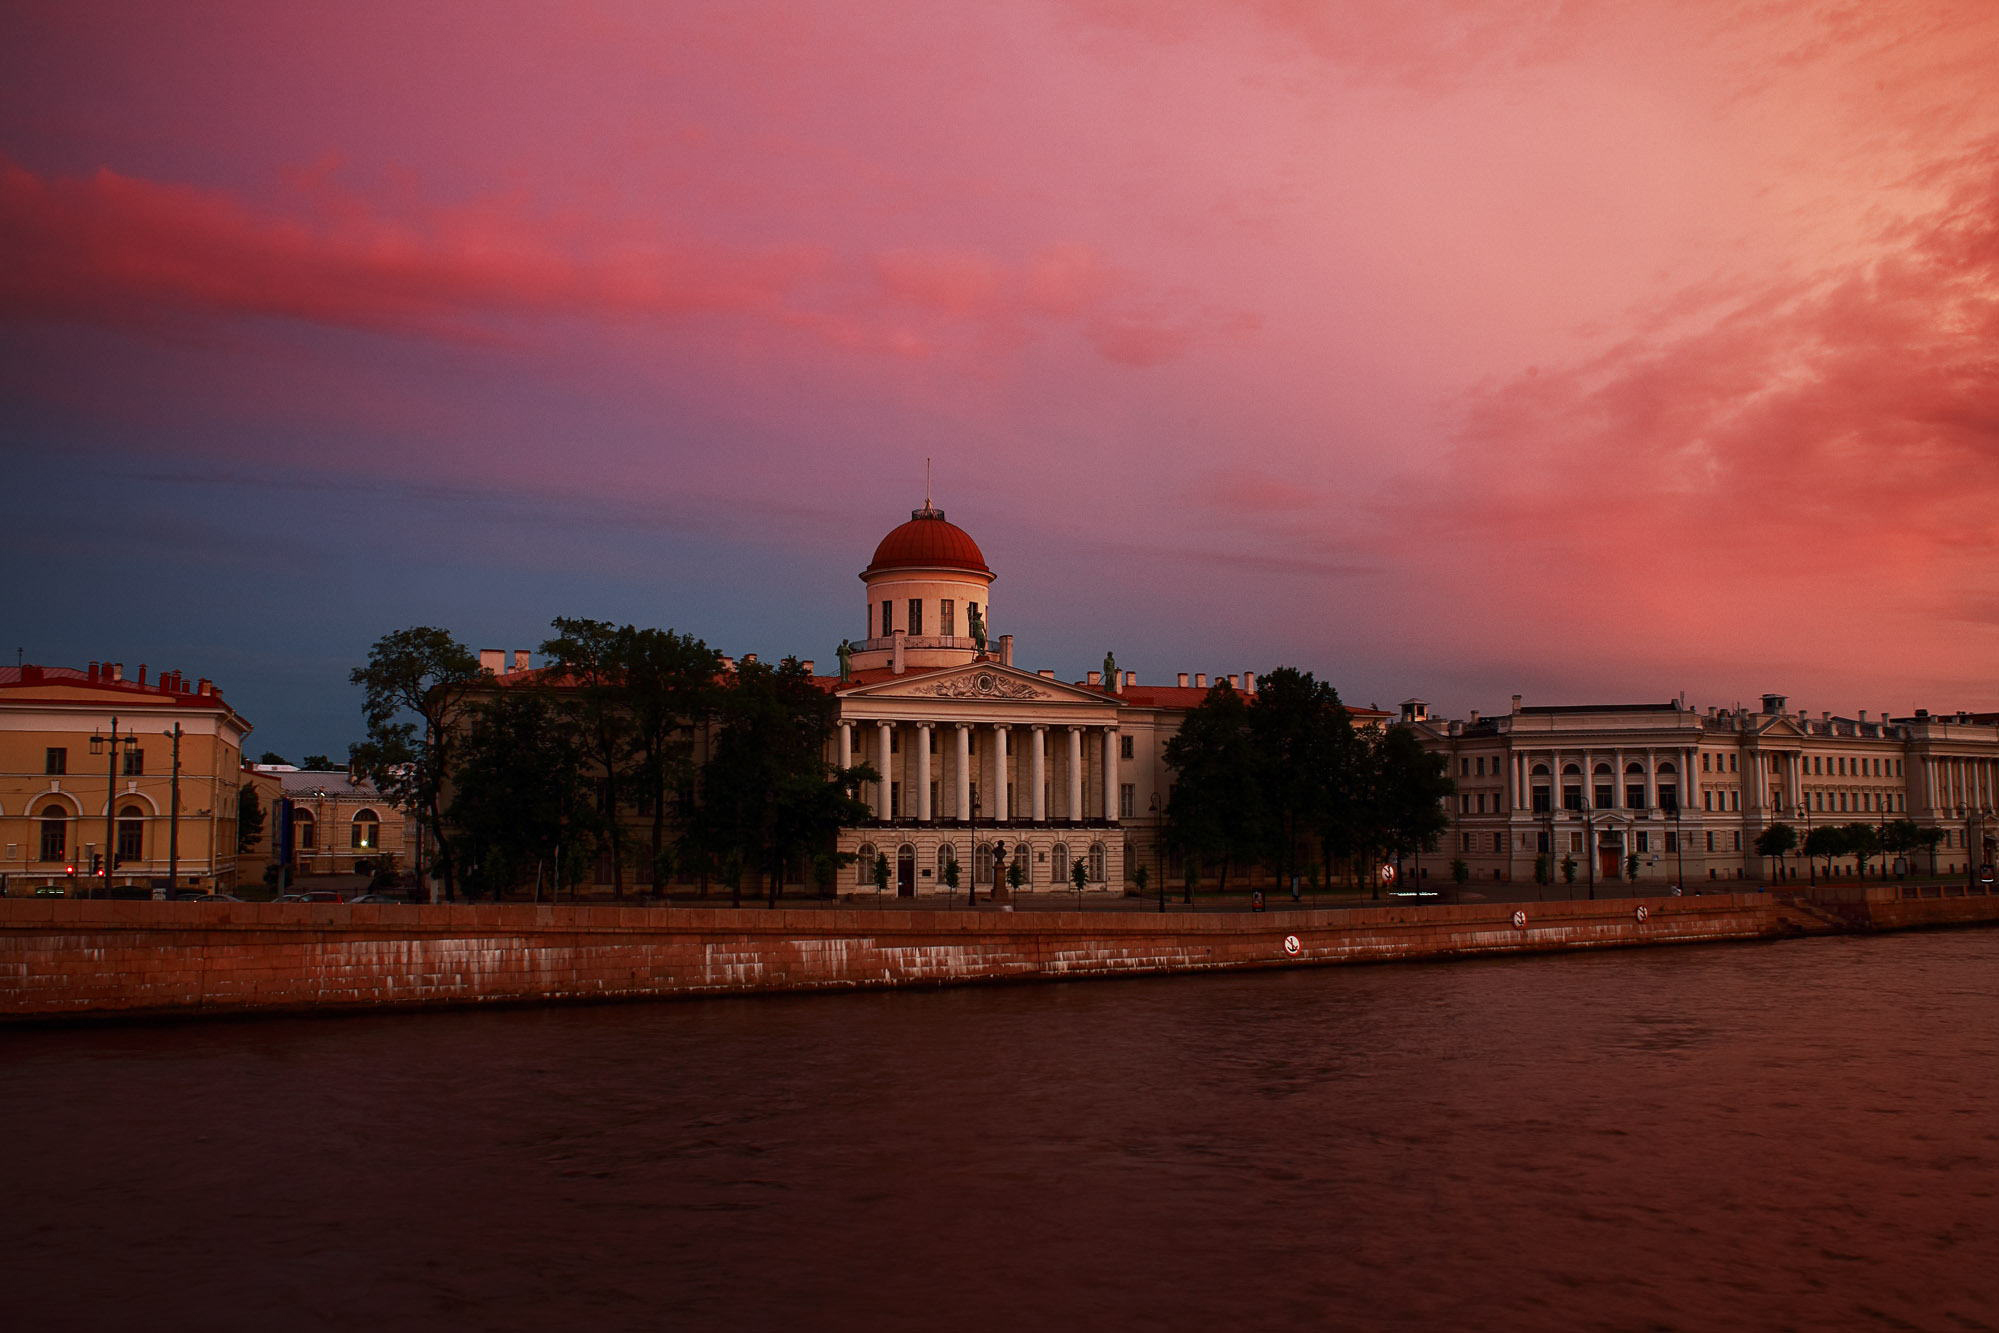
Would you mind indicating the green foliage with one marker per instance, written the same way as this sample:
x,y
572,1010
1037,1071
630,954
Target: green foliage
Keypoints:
x,y
1543,871
417,685
881,871
1779,840
1460,872
1079,873
1215,809
272,757
1568,870
769,796
317,763
1141,877
1827,841
1631,866
1016,874
952,875
522,803
1863,841
1406,794
249,818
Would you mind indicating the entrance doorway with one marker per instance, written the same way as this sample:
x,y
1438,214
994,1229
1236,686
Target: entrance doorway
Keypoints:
x,y
905,871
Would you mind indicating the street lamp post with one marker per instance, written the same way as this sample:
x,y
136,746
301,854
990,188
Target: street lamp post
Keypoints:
x,y
173,819
1588,813
1811,866
112,750
972,881
1158,848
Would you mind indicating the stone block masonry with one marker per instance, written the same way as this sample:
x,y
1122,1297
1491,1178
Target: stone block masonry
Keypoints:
x,y
60,958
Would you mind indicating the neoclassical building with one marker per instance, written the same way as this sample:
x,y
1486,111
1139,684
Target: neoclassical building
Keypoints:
x,y
1688,792
94,760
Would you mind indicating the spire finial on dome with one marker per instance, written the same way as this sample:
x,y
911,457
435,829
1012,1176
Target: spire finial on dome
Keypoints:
x,y
929,510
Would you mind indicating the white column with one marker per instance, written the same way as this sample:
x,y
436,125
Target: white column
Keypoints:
x,y
1001,807
922,737
886,757
964,770
846,750
1075,774
1038,797
1110,773
1651,780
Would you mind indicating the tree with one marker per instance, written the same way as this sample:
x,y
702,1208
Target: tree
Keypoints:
x,y
881,872
521,797
1543,871
1016,874
249,818
316,763
1569,870
1079,875
272,757
1460,872
768,794
1141,877
1631,866
1777,842
1862,841
1215,809
1828,841
584,658
669,687
1306,764
1404,796
418,684
951,874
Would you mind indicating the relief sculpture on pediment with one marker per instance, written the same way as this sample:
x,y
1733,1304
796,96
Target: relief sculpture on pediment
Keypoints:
x,y
982,685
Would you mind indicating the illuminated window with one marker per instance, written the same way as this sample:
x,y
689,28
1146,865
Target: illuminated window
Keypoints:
x,y
55,833
304,831
365,834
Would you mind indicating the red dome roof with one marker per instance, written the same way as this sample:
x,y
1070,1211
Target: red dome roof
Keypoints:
x,y
928,542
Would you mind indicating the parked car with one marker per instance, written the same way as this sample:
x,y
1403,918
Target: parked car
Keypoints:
x,y
380,898
51,891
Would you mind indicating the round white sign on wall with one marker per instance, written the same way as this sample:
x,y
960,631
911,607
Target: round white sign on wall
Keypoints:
x,y
1520,921
1642,912
1387,874
1291,945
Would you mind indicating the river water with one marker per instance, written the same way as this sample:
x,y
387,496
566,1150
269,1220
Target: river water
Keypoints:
x,y
1800,1135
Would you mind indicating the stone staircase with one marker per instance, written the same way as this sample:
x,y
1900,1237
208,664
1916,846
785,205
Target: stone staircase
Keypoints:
x,y
1799,915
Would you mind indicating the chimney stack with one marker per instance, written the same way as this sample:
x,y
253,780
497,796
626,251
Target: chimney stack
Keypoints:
x,y
1200,680
1094,678
1183,680
895,652
523,660
492,661
142,678
1046,673
93,672
1516,703
1006,649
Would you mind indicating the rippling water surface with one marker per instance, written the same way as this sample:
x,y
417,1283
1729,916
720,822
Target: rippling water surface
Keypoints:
x,y
1797,1136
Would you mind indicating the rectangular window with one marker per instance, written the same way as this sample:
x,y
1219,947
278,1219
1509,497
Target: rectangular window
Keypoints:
x,y
1575,842
1464,804
1541,843
1736,839
1669,797
135,765
1672,842
1731,763
895,800
1644,841
1126,797
1706,765
1735,800
1572,798
1464,768
131,840
55,759
1464,842
947,618
916,615
1634,796
1710,842
888,619
1707,800
1481,766
1540,800
1481,802
1499,842
1606,796
55,839
1124,747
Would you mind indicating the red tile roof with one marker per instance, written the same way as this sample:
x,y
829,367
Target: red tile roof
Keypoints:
x,y
927,541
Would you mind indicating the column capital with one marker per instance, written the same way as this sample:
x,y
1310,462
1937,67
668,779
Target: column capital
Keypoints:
x,y
1000,726
923,724
962,726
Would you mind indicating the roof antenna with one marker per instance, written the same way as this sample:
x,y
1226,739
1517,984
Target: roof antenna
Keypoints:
x,y
926,483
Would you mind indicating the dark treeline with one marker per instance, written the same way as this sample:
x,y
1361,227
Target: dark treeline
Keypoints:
x,y
1281,779
629,746
1860,841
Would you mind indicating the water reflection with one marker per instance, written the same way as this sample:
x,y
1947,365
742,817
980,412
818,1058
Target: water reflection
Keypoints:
x,y
1731,1137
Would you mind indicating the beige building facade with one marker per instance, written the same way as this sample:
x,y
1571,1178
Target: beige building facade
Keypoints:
x,y
1688,793
94,760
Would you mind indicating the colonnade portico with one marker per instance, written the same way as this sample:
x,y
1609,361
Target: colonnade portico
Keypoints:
x,y
1675,762
981,773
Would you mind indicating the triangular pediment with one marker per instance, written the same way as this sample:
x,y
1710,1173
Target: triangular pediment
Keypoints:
x,y
980,682
1781,728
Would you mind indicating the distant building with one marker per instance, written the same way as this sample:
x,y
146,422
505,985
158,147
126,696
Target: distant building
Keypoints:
x,y
977,753
1688,792
68,794
339,823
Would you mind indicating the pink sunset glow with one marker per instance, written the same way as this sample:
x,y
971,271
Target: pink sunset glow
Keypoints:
x,y
1448,348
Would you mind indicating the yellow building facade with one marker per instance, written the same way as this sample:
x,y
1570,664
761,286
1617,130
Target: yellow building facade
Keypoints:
x,y
93,761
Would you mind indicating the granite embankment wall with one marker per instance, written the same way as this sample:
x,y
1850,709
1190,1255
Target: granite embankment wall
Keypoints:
x,y
62,958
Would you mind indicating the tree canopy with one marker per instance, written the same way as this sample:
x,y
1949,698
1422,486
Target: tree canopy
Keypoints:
x,y
417,685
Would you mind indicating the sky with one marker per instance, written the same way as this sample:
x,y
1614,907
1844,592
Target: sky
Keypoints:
x,y
1444,348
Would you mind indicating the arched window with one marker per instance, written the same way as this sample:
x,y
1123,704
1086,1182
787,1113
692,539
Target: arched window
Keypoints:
x,y
131,833
947,855
1540,770
982,863
1570,770
365,834
1635,767
1058,864
1023,856
864,864
305,830
1097,874
55,833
